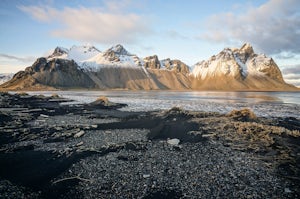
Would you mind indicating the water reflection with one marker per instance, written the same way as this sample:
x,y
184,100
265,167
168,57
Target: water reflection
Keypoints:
x,y
266,104
237,97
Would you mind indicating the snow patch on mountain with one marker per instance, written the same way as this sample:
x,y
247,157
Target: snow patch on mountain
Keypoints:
x,y
76,53
243,66
222,64
116,56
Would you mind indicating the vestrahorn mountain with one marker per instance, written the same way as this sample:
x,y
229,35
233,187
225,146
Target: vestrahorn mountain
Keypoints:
x,y
86,67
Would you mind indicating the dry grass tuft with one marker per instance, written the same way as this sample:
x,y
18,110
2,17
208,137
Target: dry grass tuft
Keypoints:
x,y
22,93
102,99
242,115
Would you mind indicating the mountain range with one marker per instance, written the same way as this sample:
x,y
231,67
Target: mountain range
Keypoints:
x,y
86,67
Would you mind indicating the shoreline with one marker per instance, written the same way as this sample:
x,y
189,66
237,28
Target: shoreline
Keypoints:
x,y
296,89
48,150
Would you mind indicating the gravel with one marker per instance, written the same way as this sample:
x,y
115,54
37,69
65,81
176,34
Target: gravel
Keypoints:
x,y
198,170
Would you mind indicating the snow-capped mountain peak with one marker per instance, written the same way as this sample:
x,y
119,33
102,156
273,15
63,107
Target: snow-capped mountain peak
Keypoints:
x,y
247,48
76,53
59,52
116,56
119,49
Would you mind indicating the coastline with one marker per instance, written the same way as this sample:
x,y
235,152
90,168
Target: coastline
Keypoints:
x,y
49,150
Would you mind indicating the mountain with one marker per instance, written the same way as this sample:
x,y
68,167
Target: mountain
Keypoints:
x,y
116,68
87,67
4,77
238,69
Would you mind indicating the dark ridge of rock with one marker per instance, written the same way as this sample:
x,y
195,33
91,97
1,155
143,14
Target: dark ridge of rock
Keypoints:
x,y
176,65
174,124
290,123
152,62
181,130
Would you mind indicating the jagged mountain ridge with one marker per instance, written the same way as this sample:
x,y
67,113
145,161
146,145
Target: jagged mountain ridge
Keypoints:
x,y
90,58
116,68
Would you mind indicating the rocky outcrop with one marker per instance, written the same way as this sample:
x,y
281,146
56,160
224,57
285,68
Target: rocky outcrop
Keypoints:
x,y
111,56
119,49
176,65
152,62
58,51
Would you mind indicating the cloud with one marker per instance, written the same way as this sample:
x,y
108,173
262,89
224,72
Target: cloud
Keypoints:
x,y
286,55
103,25
20,59
175,35
273,27
291,74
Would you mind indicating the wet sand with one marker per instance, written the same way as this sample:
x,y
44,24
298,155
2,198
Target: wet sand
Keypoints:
x,y
48,150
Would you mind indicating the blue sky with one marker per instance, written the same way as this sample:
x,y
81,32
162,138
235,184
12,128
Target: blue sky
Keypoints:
x,y
190,30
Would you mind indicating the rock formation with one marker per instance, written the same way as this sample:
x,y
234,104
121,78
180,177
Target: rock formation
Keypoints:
x,y
152,62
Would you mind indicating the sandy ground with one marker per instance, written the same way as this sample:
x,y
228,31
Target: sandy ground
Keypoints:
x,y
96,151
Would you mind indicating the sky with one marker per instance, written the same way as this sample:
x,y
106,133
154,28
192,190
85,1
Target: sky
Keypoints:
x,y
190,30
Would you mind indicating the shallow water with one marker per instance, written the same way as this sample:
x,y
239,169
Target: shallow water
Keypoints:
x,y
266,104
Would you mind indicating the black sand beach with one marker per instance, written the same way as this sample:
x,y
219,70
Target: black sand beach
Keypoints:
x,y
49,150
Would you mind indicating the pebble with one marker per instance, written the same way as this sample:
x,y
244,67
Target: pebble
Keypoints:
x,y
173,142
79,134
79,144
287,190
146,175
